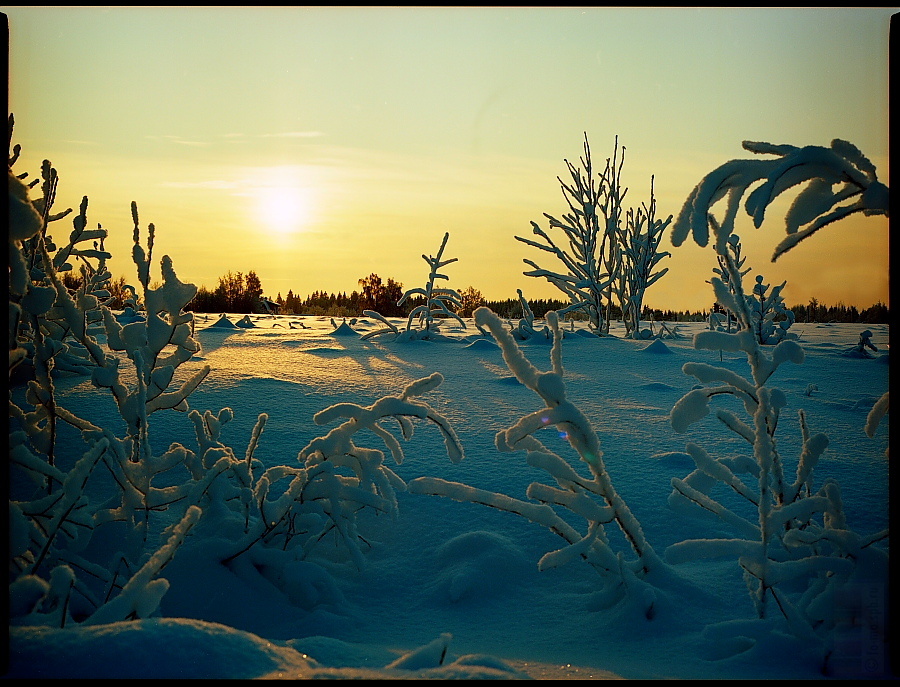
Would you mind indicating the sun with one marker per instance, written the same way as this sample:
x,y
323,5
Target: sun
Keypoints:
x,y
284,210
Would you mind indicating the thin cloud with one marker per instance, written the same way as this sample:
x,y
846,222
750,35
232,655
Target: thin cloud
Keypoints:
x,y
211,184
294,134
180,141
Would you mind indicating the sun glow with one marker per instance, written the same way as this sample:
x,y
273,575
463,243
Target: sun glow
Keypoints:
x,y
284,210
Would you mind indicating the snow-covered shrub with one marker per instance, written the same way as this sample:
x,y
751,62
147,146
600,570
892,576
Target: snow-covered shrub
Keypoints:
x,y
771,318
862,347
79,544
791,539
603,257
424,320
815,206
638,244
593,498
295,508
524,329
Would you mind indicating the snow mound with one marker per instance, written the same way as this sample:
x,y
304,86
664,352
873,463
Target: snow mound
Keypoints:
x,y
170,648
675,458
223,323
657,347
510,380
245,322
476,565
856,353
482,345
344,329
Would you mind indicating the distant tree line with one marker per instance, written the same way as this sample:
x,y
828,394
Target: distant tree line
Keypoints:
x,y
817,312
240,293
235,293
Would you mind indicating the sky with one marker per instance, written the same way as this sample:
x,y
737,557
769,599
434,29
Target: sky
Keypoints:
x,y
317,145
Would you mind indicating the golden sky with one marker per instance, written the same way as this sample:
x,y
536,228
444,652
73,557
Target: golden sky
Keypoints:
x,y
318,145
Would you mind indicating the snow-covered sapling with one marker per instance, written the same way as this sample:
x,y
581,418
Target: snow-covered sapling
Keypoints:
x,y
524,329
771,318
602,256
336,478
638,244
797,537
424,320
593,498
862,347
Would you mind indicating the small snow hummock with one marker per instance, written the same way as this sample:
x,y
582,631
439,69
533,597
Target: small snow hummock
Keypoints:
x,y
223,323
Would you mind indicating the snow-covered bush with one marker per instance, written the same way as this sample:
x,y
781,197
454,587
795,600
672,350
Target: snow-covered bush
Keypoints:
x,y
524,328
424,321
296,508
593,498
815,206
604,256
70,558
771,318
792,540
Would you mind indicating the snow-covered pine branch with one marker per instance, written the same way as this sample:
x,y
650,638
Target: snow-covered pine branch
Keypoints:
x,y
816,206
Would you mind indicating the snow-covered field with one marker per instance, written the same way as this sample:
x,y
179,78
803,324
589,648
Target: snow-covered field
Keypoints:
x,y
453,590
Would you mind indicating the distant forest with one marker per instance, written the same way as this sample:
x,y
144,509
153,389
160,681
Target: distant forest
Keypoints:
x,y
237,293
